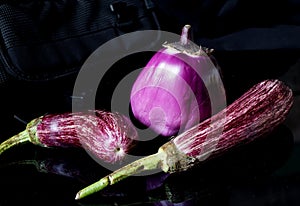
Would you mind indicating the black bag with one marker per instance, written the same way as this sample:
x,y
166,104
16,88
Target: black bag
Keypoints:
x,y
44,40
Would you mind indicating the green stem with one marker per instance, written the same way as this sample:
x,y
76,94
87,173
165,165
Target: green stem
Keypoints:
x,y
20,138
145,164
168,159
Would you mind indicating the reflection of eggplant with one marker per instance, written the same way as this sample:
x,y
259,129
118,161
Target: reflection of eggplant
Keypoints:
x,y
164,197
139,187
155,181
74,165
190,202
80,168
54,166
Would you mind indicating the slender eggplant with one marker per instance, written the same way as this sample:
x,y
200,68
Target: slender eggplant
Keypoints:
x,y
108,136
254,115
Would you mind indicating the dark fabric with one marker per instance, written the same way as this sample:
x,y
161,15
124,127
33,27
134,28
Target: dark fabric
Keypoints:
x,y
3,75
42,40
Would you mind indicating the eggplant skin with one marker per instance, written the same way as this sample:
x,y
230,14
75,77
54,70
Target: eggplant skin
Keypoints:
x,y
108,136
253,115
169,94
61,130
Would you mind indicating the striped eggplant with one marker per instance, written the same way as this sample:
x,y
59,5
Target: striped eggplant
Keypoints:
x,y
108,136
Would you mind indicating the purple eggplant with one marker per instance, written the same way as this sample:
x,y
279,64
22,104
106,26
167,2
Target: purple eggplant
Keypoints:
x,y
171,94
108,136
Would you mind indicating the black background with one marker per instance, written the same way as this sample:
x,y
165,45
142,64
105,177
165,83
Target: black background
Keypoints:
x,y
253,40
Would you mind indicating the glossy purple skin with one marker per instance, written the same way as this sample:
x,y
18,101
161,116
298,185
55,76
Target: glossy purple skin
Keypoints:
x,y
106,136
169,95
60,130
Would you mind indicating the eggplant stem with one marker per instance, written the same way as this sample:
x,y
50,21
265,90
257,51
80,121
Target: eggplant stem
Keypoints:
x,y
147,163
20,138
185,35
